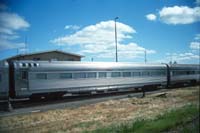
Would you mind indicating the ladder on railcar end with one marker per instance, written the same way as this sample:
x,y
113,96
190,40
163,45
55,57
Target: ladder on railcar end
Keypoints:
x,y
6,105
10,108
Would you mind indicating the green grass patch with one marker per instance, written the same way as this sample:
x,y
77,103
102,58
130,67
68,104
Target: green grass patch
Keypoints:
x,y
194,129
165,122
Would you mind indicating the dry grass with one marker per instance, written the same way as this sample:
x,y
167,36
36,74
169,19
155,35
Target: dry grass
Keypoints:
x,y
101,114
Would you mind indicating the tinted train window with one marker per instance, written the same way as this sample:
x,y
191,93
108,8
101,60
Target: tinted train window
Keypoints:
x,y
41,76
174,73
135,74
197,72
0,77
126,74
79,75
91,75
162,72
155,73
102,74
180,72
192,72
24,64
65,75
145,73
115,74
24,75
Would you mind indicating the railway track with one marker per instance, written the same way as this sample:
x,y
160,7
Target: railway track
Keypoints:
x,y
26,106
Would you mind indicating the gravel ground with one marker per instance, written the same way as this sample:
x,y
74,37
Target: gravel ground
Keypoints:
x,y
90,117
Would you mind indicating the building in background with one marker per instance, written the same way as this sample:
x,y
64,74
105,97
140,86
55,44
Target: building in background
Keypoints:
x,y
52,55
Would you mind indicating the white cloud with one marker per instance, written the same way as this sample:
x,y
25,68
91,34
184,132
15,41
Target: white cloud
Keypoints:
x,y
100,33
73,27
195,45
151,17
6,44
8,37
125,51
10,23
98,40
179,15
192,56
197,37
185,57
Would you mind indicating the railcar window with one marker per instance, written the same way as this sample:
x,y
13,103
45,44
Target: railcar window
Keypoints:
x,y
126,74
162,72
41,76
136,74
197,72
155,73
183,72
24,65
192,72
65,75
115,74
79,75
158,73
174,73
145,73
24,75
0,77
91,75
102,74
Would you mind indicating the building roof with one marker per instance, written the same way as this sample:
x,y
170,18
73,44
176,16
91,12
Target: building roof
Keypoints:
x,y
42,52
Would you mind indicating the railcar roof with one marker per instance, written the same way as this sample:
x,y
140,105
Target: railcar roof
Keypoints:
x,y
87,65
185,66
77,65
3,63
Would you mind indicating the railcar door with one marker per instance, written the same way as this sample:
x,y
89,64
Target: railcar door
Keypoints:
x,y
21,82
24,79
4,86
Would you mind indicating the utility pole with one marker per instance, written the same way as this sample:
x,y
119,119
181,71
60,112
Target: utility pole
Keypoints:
x,y
116,38
199,63
145,56
171,59
18,51
26,46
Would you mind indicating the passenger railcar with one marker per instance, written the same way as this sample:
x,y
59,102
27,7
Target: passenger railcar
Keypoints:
x,y
184,73
43,77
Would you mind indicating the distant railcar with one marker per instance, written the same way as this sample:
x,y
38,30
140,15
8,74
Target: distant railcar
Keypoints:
x,y
184,73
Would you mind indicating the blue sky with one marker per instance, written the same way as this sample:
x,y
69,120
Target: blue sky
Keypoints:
x,y
165,29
